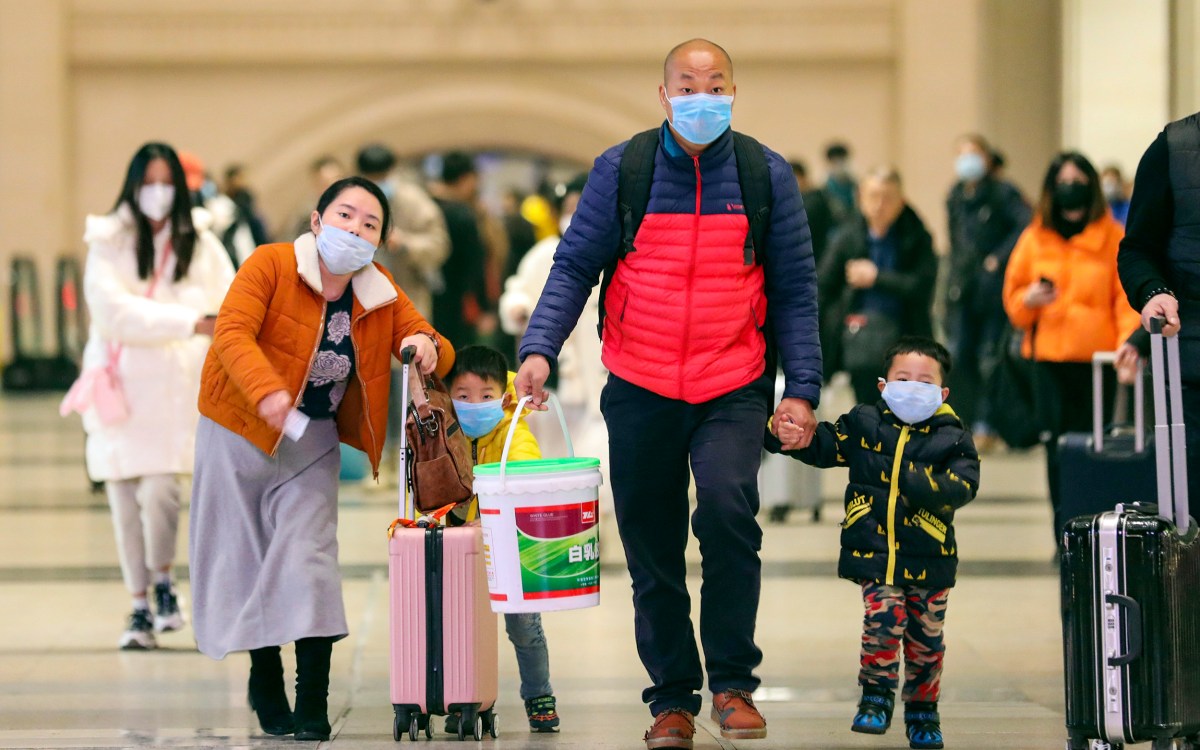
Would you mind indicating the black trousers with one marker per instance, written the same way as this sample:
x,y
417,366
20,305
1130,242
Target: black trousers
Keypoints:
x,y
1066,406
652,442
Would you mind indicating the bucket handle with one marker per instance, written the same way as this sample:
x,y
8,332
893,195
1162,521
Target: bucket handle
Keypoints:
x,y
512,430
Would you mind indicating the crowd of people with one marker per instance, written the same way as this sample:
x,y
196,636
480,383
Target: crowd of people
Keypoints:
x,y
706,262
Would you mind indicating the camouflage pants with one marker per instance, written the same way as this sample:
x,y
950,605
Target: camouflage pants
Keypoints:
x,y
915,615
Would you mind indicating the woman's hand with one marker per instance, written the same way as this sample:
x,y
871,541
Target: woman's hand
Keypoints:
x,y
1040,295
1126,364
206,325
861,274
427,354
274,408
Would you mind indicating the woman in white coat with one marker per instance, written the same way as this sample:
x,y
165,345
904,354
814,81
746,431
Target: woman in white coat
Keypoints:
x,y
154,280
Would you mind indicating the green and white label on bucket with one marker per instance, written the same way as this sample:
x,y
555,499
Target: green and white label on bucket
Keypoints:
x,y
559,550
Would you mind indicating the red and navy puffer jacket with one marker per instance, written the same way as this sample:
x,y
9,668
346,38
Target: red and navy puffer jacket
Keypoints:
x,y
686,310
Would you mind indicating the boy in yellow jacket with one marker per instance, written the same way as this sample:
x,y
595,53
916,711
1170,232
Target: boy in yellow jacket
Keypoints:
x,y
485,404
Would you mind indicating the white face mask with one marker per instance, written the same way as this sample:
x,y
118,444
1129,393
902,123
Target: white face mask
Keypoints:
x,y
343,252
912,401
156,200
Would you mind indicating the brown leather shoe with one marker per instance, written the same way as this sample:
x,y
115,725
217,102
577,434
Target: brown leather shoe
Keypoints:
x,y
737,716
672,728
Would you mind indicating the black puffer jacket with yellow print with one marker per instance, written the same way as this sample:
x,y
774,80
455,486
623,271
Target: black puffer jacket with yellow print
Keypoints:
x,y
906,482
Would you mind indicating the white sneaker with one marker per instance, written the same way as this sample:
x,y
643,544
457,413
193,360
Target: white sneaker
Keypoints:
x,y
139,634
168,616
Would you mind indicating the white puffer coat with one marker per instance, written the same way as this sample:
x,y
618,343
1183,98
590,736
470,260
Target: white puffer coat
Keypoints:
x,y
161,356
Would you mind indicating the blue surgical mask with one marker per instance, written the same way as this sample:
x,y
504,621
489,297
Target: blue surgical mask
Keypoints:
x,y
911,401
970,167
479,419
343,252
701,118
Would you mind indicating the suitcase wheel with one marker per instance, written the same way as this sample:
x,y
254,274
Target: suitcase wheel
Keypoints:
x,y
414,727
478,733
489,723
399,724
429,727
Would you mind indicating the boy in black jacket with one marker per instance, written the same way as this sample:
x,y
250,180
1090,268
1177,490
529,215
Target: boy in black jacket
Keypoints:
x,y
912,465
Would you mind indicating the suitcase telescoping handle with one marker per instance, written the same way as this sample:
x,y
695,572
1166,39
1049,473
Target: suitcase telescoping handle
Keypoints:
x,y
1099,359
512,430
406,505
1170,445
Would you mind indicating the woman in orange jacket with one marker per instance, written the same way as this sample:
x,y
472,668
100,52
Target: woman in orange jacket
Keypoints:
x,y
1061,289
302,349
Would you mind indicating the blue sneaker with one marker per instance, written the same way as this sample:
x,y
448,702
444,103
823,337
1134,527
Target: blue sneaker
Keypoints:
x,y
874,711
924,725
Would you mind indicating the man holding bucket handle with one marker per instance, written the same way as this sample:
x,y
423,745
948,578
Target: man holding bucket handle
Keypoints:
x,y
694,307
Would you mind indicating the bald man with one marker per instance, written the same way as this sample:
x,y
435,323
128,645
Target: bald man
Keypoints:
x,y
698,304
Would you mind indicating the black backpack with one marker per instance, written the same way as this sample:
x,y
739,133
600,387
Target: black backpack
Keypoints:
x,y
633,196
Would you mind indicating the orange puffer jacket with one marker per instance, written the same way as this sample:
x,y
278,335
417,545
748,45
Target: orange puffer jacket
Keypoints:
x,y
1091,313
267,334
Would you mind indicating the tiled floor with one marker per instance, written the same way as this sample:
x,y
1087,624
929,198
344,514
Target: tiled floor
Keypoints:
x,y
63,684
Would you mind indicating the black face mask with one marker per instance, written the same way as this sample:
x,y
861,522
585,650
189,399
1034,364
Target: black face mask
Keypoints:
x,y
1072,196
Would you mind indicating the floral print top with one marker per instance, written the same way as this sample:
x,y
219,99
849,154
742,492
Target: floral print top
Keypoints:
x,y
334,364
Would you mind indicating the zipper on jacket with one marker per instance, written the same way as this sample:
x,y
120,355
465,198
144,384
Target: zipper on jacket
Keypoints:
x,y
311,358
691,274
363,385
366,403
893,498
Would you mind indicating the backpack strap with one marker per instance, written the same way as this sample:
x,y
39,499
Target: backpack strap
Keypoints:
x,y
634,177
754,178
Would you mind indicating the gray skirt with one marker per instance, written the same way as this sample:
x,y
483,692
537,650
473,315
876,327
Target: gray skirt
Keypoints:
x,y
263,540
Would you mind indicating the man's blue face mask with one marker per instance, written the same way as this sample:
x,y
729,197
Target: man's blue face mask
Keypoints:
x,y
701,118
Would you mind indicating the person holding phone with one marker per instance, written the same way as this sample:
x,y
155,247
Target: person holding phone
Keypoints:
x,y
1062,290
309,328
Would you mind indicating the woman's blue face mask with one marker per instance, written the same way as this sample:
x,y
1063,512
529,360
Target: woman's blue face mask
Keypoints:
x,y
479,419
343,252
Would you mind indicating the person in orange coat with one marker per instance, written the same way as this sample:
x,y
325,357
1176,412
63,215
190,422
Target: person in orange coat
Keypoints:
x,y
300,361
1061,288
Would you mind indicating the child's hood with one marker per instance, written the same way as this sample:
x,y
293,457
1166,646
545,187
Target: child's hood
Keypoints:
x,y
945,415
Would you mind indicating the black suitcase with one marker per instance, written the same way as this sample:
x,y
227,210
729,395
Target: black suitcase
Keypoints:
x,y
1131,613
1099,470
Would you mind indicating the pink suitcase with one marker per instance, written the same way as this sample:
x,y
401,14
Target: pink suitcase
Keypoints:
x,y
443,630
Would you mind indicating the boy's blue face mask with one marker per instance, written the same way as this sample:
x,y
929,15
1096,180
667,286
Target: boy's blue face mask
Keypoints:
x,y
479,419
912,401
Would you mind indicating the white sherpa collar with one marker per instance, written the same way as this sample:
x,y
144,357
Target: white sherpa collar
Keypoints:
x,y
370,286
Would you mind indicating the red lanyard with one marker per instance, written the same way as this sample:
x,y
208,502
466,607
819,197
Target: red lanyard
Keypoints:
x,y
114,348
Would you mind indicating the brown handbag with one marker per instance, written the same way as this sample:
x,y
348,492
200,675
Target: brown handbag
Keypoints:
x,y
441,471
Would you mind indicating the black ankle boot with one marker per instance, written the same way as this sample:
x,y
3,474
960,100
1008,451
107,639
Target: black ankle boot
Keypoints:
x,y
266,695
312,688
